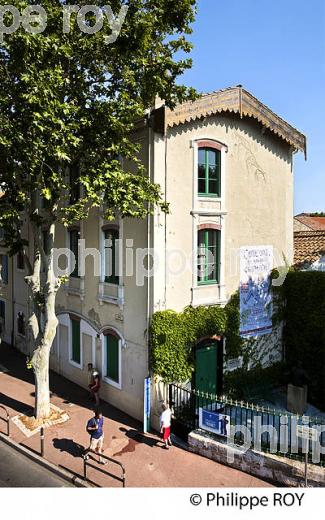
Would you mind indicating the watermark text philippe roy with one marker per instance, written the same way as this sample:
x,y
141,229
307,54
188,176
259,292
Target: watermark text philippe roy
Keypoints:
x,y
34,18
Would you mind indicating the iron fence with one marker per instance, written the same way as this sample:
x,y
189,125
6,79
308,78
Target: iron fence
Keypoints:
x,y
187,402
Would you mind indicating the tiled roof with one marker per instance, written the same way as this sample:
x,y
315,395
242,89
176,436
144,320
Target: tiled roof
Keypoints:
x,y
309,246
239,101
314,223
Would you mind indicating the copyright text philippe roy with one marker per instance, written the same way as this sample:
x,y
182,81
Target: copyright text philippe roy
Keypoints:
x,y
248,502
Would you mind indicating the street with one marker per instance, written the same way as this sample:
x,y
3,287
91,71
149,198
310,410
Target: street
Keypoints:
x,y
16,470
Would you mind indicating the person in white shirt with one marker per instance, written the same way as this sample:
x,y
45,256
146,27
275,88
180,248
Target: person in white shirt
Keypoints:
x,y
165,424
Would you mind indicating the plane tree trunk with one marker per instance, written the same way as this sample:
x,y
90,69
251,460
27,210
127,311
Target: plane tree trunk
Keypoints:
x,y
42,321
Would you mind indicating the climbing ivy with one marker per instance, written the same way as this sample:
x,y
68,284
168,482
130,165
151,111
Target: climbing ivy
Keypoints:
x,y
174,336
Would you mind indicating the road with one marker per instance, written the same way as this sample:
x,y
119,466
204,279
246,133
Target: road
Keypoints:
x,y
17,470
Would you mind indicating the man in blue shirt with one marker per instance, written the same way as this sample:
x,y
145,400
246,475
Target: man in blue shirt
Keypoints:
x,y
95,430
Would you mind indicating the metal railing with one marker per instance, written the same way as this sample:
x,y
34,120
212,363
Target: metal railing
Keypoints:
x,y
6,419
87,462
187,402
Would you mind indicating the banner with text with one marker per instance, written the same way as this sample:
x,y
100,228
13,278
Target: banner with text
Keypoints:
x,y
256,264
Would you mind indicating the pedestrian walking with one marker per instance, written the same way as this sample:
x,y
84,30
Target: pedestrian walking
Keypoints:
x,y
95,430
165,425
93,383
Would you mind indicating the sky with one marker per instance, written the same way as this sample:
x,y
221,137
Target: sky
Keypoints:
x,y
276,50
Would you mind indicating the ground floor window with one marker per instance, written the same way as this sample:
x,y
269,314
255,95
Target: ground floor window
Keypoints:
x,y
2,314
112,358
75,341
21,326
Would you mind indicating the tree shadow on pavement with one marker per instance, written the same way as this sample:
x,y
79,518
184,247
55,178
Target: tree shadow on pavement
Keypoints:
x,y
69,446
62,388
17,406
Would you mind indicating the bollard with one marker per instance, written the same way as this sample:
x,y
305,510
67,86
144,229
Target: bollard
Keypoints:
x,y
42,441
85,467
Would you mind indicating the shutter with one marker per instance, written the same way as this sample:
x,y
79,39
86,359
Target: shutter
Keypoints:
x,y
112,358
4,273
75,341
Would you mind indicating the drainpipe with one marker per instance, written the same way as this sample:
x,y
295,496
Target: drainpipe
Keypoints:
x,y
166,154
149,236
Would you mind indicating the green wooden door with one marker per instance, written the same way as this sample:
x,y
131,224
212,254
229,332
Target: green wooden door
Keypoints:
x,y
206,368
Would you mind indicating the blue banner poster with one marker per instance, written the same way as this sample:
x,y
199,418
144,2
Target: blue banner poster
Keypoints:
x,y
214,422
256,264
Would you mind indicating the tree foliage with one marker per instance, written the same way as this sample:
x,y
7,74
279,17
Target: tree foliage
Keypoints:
x,y
68,104
70,99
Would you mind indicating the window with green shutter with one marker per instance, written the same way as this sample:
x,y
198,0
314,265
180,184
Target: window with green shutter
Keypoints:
x,y
75,339
4,274
2,311
209,172
208,264
111,256
74,248
112,358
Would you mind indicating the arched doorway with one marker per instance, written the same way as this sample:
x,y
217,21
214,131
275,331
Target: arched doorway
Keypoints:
x,y
208,375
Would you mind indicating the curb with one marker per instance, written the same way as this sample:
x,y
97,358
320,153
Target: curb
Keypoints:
x,y
64,474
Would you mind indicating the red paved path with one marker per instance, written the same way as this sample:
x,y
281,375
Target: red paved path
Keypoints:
x,y
146,463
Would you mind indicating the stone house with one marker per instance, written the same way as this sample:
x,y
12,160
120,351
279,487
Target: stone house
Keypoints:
x,y
225,165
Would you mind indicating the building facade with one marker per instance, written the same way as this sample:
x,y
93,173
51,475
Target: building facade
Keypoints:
x,y
225,166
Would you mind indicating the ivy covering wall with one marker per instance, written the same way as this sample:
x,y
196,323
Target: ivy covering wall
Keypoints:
x,y
174,336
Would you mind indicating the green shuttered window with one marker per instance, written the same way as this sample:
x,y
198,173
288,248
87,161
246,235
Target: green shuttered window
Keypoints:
x,y
75,351
4,269
74,248
209,172
112,358
2,311
111,256
208,256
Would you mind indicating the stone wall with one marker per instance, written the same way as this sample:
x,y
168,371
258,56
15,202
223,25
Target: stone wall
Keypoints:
x,y
264,465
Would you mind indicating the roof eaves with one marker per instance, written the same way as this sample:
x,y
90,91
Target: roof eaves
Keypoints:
x,y
240,101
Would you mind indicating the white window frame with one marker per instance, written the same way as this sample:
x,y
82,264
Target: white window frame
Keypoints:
x,y
223,148
121,345
213,212
102,284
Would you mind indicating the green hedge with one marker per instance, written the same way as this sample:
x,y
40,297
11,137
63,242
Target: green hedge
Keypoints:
x,y
304,332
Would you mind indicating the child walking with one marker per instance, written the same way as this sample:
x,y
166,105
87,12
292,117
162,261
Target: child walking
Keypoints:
x,y
165,424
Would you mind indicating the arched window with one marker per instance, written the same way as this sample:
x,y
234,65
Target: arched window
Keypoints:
x,y
208,262
209,172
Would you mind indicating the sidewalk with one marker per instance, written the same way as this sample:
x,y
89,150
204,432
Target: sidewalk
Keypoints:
x,y
146,463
